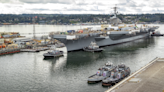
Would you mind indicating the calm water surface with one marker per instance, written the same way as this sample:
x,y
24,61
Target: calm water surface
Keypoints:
x,y
29,72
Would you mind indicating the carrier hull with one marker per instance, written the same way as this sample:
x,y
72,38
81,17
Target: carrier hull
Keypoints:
x,y
79,44
116,37
109,41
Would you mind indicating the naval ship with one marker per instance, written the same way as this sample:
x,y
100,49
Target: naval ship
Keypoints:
x,y
109,35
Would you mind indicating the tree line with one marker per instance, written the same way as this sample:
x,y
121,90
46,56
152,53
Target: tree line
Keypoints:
x,y
74,18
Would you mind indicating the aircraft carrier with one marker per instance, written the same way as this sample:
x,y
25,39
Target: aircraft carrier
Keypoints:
x,y
108,35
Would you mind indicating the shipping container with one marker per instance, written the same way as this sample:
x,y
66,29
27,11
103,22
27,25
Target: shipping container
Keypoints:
x,y
7,41
2,46
1,40
15,35
6,36
80,31
71,31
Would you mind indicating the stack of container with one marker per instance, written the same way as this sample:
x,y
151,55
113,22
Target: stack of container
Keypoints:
x,y
70,31
80,31
11,46
8,41
2,46
9,34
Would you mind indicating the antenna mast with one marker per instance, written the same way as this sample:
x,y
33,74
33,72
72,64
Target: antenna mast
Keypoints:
x,y
34,29
115,9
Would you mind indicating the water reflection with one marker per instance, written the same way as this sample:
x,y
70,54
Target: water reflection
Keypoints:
x,y
80,58
57,64
131,46
112,53
132,54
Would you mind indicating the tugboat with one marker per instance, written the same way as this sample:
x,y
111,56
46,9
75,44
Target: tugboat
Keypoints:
x,y
117,75
102,73
93,47
53,53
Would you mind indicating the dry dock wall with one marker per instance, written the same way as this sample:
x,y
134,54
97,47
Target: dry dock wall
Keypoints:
x,y
150,78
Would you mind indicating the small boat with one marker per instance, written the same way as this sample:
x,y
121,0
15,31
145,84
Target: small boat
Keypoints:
x,y
53,53
117,75
102,73
93,47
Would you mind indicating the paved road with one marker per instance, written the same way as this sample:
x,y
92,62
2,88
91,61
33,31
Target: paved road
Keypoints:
x,y
152,80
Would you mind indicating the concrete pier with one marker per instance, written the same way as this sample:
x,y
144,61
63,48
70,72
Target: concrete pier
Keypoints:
x,y
149,78
9,51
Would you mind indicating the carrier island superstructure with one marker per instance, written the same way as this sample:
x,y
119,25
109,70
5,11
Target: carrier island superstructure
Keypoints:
x,y
108,35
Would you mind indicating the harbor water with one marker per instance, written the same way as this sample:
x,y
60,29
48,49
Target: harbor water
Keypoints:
x,y
30,72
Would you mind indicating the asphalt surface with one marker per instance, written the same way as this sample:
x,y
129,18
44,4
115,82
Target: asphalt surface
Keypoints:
x,y
151,80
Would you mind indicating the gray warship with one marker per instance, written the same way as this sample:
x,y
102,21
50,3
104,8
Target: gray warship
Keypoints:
x,y
108,35
102,73
117,75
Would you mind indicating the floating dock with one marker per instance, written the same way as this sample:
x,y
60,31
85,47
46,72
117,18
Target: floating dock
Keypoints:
x,y
29,50
37,49
157,34
9,51
149,78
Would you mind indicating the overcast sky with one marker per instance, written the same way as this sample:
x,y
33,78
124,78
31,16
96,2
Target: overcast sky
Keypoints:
x,y
80,6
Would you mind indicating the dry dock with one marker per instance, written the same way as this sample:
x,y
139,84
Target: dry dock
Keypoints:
x,y
149,78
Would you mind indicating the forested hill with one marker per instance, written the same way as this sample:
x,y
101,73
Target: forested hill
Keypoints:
x,y
78,18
